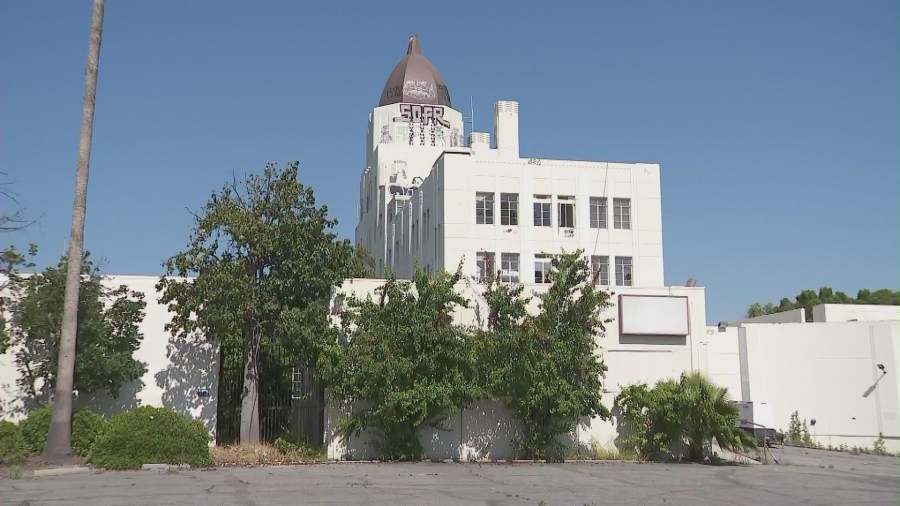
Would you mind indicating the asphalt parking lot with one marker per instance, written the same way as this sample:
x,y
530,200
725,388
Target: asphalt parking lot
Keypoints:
x,y
803,476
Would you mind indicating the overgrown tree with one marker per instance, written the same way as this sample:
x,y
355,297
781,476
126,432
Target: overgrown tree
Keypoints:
x,y
363,263
59,438
690,412
826,295
263,261
12,262
546,367
652,419
400,364
709,415
108,330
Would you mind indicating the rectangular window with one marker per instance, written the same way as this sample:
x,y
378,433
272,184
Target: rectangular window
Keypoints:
x,y
566,212
542,208
542,269
484,208
509,267
509,208
598,212
622,214
486,267
623,271
297,383
600,269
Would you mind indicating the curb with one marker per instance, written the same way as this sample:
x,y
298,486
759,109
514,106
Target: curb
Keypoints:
x,y
61,471
164,467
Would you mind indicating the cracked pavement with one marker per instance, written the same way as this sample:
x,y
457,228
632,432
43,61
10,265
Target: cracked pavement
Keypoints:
x,y
804,476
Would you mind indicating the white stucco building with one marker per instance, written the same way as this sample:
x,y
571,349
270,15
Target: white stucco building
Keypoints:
x,y
432,199
428,198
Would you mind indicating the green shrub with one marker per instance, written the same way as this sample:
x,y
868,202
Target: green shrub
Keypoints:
x,y
86,427
284,447
35,428
653,418
149,435
878,446
677,415
13,448
795,431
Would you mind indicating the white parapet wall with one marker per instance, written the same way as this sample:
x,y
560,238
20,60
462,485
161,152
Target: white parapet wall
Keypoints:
x,y
854,312
792,316
182,373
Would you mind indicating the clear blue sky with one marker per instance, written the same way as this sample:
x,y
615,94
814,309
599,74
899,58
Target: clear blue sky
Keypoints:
x,y
777,124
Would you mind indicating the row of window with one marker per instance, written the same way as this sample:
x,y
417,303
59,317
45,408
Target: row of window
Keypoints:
x,y
509,268
543,215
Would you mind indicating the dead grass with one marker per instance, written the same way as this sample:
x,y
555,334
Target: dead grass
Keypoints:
x,y
34,463
263,455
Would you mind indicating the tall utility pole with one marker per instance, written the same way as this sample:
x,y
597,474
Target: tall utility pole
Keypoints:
x,y
59,438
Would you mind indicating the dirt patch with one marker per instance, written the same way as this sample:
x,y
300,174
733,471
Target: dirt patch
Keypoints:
x,y
262,455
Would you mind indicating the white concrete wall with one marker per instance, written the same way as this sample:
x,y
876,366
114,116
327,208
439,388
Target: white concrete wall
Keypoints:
x,y
720,358
857,312
176,369
486,431
825,371
483,431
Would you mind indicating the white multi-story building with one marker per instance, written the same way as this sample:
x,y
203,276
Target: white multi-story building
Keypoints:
x,y
429,199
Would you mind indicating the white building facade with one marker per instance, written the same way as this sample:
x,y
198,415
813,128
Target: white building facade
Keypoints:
x,y
428,199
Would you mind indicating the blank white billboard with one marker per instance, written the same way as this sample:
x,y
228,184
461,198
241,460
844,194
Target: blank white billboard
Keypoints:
x,y
657,315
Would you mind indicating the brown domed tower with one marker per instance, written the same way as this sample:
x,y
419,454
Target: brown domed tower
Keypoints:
x,y
415,80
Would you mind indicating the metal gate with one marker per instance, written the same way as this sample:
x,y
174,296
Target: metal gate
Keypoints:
x,y
291,403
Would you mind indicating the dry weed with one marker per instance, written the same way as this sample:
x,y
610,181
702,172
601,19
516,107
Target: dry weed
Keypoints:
x,y
261,455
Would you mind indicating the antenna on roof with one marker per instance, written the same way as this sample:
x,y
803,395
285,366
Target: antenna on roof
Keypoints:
x,y
471,118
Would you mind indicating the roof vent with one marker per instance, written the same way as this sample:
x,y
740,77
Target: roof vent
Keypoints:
x,y
479,138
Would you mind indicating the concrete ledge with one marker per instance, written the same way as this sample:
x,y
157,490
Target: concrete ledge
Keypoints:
x,y
155,467
61,471
163,467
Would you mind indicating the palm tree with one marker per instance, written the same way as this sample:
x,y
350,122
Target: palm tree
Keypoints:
x,y
708,414
59,437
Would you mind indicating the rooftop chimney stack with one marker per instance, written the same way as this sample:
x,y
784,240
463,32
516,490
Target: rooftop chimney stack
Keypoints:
x,y
479,141
506,128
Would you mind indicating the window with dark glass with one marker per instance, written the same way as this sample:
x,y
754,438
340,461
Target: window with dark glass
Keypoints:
x,y
600,269
542,266
484,260
542,209
623,271
484,208
509,208
509,267
597,211
566,215
622,213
